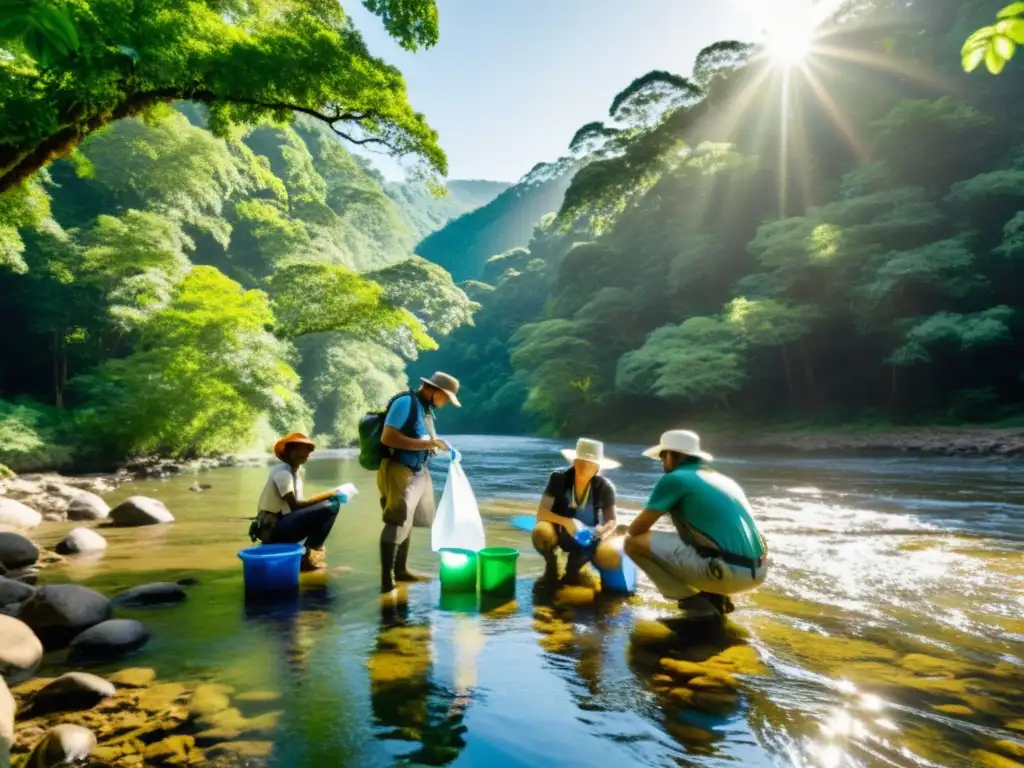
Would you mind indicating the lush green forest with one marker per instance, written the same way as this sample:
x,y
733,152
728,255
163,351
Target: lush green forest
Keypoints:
x,y
187,268
831,240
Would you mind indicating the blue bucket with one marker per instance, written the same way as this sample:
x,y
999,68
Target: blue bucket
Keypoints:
x,y
271,567
622,580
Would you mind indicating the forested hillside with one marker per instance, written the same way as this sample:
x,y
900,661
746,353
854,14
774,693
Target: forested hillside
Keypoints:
x,y
464,246
426,212
167,291
757,242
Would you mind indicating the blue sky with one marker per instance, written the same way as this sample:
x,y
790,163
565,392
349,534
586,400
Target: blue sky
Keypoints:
x,y
511,80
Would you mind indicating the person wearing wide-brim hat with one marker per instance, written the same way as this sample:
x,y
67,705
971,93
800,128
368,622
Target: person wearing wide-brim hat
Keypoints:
x,y
715,550
285,517
406,490
574,497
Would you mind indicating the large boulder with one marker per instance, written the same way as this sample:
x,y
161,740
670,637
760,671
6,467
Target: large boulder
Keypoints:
x,y
59,612
18,515
157,593
84,505
64,744
70,691
108,641
81,540
6,724
16,551
140,510
20,650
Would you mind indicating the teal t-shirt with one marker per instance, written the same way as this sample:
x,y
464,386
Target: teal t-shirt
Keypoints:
x,y
713,506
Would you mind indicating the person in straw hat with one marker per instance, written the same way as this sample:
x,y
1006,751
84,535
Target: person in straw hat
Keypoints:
x,y
573,496
715,550
284,516
406,490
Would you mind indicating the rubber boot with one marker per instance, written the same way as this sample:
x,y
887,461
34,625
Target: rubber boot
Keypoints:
x,y
387,566
402,572
698,608
572,569
722,603
550,566
313,560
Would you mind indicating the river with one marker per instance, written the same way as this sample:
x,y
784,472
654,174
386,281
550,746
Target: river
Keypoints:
x,y
890,630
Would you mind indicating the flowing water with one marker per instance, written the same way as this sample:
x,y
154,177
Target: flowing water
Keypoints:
x,y
890,630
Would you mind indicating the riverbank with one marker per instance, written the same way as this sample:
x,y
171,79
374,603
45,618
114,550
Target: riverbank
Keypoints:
x,y
1002,442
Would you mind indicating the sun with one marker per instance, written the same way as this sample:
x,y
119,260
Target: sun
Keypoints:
x,y
789,42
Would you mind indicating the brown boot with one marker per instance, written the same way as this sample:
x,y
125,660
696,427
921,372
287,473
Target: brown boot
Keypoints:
x,y
387,567
313,560
402,572
550,567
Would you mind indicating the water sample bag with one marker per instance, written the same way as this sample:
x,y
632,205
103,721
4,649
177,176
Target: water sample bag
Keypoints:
x,y
458,524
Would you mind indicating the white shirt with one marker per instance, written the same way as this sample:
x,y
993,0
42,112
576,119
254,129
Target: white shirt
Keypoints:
x,y
281,481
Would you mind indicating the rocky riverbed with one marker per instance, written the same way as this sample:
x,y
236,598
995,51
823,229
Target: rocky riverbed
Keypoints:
x,y
128,718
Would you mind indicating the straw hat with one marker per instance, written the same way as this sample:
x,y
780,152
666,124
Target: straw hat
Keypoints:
x,y
447,384
295,437
592,451
678,441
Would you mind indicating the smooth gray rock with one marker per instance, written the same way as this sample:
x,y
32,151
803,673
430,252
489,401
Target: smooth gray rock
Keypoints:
x,y
71,691
18,515
157,593
59,612
81,540
140,510
85,505
108,641
12,591
63,744
16,551
21,652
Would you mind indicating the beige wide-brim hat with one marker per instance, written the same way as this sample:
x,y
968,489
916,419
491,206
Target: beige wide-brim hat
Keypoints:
x,y
678,441
592,451
447,384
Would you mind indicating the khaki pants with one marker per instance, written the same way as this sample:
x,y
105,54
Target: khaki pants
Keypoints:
x,y
679,571
406,499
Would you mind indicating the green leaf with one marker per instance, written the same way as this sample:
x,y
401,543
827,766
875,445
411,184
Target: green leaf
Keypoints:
x,y
972,59
994,61
1004,46
1013,29
13,27
980,37
58,20
1014,9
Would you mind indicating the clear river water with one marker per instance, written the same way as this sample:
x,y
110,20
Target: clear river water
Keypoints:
x,y
890,630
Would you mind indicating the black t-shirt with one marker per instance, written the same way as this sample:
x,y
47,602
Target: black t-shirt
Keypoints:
x,y
599,502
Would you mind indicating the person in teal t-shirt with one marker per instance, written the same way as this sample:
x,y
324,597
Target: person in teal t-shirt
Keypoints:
x,y
716,549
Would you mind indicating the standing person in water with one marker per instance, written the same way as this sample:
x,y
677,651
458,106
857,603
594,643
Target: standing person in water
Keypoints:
x,y
284,517
406,490
581,494
715,550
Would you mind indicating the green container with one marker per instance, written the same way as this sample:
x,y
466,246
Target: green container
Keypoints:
x,y
498,570
458,570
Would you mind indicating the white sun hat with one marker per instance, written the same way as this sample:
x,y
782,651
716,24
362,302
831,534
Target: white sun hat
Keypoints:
x,y
678,441
592,451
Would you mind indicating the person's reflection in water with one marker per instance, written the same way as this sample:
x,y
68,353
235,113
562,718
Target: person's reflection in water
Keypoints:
x,y
293,623
405,701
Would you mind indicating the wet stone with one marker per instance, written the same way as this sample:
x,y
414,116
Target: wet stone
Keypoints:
x,y
73,690
108,640
209,699
62,745
133,677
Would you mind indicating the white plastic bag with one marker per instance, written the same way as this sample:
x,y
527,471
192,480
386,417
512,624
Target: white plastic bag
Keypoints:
x,y
458,524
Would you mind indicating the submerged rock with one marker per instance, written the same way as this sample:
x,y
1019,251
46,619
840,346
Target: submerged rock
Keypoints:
x,y
16,551
133,677
157,593
20,650
140,510
18,515
73,690
81,540
12,591
59,612
6,723
108,640
62,745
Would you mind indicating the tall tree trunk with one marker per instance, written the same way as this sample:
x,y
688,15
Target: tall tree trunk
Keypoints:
x,y
894,395
789,369
58,389
813,395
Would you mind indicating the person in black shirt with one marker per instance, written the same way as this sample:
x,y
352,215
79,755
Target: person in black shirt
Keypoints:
x,y
575,499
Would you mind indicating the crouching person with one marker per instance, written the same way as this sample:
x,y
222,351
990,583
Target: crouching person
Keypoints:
x,y
715,550
284,517
578,494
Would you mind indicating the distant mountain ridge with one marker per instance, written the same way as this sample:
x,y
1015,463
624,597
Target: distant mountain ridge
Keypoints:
x,y
425,213
464,245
